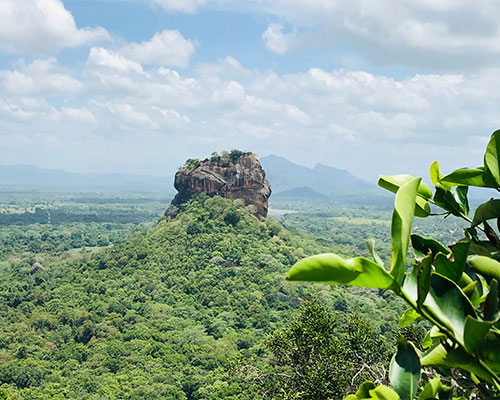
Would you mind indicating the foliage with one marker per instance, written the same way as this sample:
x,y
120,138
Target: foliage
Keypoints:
x,y
191,163
320,355
235,154
454,288
160,315
52,222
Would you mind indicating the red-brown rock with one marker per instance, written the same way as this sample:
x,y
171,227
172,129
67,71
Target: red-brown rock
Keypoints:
x,y
237,178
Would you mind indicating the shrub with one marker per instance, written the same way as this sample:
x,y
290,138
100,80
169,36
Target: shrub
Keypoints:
x,y
454,287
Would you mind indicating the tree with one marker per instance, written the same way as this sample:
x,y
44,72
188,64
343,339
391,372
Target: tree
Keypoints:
x,y
191,163
454,287
318,357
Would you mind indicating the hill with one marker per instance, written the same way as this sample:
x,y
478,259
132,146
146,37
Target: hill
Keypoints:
x,y
29,176
162,315
304,193
285,175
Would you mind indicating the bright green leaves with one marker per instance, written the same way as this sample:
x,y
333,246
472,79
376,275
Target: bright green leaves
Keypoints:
x,y
456,357
454,288
394,182
488,210
402,220
370,244
423,246
368,391
404,370
445,304
408,317
331,268
448,305
491,161
437,176
469,177
453,269
434,389
474,333
486,266
424,269
487,176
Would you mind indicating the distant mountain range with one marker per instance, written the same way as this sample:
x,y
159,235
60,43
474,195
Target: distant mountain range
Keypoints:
x,y
31,177
319,182
288,180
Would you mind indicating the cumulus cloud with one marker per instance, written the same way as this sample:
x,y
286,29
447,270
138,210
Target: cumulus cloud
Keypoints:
x,y
189,6
440,34
164,48
78,114
41,77
349,119
275,40
42,27
99,57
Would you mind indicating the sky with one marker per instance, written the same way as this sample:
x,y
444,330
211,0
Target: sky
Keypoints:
x,y
139,86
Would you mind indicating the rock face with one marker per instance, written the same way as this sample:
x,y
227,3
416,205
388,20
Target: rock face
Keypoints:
x,y
231,177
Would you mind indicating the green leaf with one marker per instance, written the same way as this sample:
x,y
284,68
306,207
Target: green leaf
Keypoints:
x,y
461,193
432,337
470,177
454,202
384,393
394,182
489,351
486,211
404,370
486,266
491,235
408,317
482,248
370,244
331,268
402,219
491,303
454,358
436,177
453,269
446,303
474,333
423,246
364,389
424,269
491,161
433,389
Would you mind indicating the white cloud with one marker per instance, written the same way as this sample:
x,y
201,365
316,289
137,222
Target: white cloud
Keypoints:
x,y
189,6
131,115
41,77
356,118
78,114
275,40
440,34
42,27
164,48
100,57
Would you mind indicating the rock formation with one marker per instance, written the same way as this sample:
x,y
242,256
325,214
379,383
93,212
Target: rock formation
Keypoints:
x,y
234,175
36,267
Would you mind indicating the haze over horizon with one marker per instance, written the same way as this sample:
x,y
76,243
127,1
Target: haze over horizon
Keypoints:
x,y
109,86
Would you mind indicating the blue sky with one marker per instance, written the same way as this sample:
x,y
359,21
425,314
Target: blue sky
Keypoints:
x,y
139,86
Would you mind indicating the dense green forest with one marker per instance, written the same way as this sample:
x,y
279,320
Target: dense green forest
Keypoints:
x,y
180,309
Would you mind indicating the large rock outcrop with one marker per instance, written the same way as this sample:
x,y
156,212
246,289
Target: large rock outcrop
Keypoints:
x,y
233,176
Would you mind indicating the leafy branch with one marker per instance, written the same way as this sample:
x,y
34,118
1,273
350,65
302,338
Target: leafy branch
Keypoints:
x,y
453,287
